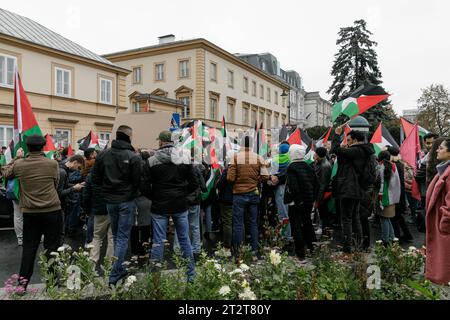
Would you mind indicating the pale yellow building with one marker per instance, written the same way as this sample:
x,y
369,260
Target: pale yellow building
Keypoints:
x,y
209,81
71,89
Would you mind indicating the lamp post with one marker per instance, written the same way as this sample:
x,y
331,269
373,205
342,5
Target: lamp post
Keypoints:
x,y
284,95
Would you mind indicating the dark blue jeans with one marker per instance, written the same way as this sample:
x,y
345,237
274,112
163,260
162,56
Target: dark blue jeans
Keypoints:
x,y
122,218
241,203
90,229
73,216
159,225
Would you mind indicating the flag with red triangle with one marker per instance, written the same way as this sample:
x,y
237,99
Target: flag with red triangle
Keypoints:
x,y
352,107
410,150
324,139
49,148
381,139
90,141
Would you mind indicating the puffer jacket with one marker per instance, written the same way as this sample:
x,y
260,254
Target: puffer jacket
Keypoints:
x,y
323,172
302,184
351,163
118,171
172,180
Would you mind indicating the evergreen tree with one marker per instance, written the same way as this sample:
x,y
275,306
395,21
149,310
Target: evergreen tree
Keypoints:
x,y
356,65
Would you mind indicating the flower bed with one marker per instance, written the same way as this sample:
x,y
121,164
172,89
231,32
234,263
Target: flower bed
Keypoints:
x,y
328,276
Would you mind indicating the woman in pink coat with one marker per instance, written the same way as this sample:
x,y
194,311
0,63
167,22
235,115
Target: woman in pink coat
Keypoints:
x,y
438,220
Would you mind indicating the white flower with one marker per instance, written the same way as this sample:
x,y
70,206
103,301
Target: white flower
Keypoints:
x,y
89,246
245,284
131,279
275,258
396,240
224,290
244,267
412,248
62,249
211,261
55,254
86,253
126,263
235,271
248,294
257,281
217,266
379,242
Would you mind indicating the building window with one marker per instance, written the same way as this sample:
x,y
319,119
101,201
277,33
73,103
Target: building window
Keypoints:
x,y
283,118
245,116
269,121
159,72
230,112
184,69
276,97
261,91
253,117
137,75
213,71
275,121
6,135
105,91
63,82
105,136
7,64
186,111
263,65
62,138
254,88
245,85
268,95
230,79
136,106
212,108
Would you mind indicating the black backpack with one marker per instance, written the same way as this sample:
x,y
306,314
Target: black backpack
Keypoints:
x,y
369,174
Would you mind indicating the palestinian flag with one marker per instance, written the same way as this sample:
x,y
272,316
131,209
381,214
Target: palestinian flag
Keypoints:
x,y
408,127
300,137
209,184
90,141
381,139
25,125
347,130
212,150
410,151
49,148
352,107
324,139
309,157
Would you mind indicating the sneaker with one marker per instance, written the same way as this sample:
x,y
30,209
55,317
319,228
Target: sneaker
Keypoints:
x,y
19,242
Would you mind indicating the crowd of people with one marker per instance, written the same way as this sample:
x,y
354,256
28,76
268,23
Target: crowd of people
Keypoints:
x,y
129,198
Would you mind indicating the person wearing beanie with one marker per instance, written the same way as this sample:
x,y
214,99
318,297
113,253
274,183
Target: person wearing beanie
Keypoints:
x,y
398,222
38,177
118,171
301,192
323,170
279,165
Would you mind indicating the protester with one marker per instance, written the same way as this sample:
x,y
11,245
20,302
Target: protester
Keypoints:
x,y
433,160
389,195
90,155
172,179
118,171
279,165
301,192
323,172
226,208
94,204
352,164
437,267
38,177
421,172
246,171
398,222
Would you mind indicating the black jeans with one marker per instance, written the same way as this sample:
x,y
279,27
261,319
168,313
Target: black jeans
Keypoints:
x,y
139,235
302,228
351,223
399,223
365,210
34,226
324,215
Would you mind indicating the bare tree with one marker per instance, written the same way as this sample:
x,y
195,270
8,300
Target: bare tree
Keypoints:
x,y
434,109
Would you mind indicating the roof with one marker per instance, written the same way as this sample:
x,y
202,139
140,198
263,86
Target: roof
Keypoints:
x,y
17,26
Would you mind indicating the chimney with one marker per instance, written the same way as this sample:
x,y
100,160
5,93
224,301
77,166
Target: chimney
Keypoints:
x,y
166,39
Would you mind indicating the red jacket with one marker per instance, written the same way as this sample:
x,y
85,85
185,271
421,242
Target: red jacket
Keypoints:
x,y
437,267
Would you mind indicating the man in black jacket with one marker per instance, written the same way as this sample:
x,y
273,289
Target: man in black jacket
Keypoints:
x,y
118,171
351,163
323,172
172,179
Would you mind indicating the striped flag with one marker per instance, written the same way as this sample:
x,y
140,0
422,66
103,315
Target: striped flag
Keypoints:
x,y
90,141
381,139
352,107
49,148
324,139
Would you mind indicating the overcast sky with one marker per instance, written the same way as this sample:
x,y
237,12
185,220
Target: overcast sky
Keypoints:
x,y
413,35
